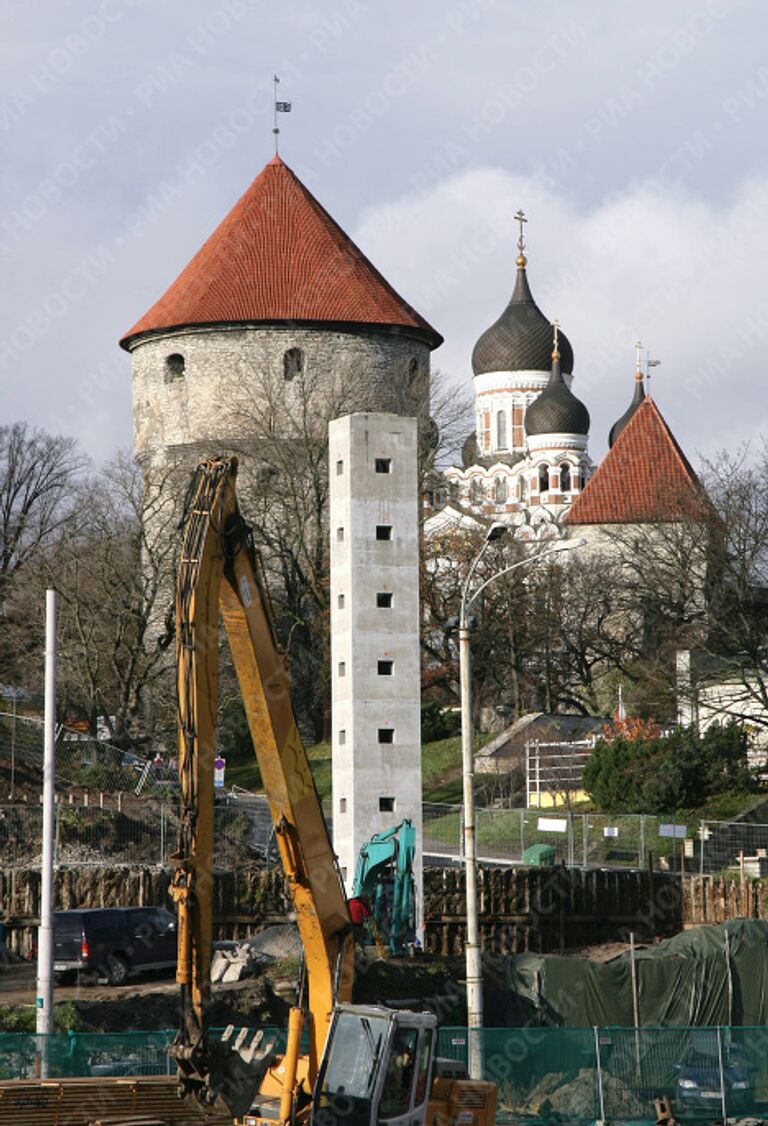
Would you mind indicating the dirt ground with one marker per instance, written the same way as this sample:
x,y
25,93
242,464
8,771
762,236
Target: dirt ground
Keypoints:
x,y
151,1002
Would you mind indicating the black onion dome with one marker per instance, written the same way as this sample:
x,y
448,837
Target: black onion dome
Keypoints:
x,y
556,410
521,339
637,399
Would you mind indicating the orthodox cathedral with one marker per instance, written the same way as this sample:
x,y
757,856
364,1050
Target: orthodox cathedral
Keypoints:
x,y
527,462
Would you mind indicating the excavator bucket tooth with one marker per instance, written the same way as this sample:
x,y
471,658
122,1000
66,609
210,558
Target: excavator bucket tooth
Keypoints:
x,y
227,1070
237,1071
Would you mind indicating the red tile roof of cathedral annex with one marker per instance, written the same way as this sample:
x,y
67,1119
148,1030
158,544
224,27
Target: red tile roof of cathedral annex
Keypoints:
x,y
277,256
645,478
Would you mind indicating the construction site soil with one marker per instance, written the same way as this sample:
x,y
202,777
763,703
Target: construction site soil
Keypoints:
x,y
434,984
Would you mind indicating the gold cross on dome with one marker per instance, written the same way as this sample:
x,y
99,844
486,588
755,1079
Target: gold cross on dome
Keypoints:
x,y
639,355
556,330
521,220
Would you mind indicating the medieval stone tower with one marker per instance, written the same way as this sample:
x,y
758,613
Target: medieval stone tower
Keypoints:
x,y
277,299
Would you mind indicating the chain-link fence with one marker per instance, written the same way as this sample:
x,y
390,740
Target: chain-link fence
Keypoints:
x,y
535,836
113,830
82,762
737,845
136,833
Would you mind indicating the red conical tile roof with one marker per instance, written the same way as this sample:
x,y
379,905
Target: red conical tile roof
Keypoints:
x,y
645,478
279,256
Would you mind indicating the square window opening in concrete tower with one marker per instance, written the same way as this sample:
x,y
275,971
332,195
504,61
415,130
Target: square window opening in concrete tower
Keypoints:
x,y
377,702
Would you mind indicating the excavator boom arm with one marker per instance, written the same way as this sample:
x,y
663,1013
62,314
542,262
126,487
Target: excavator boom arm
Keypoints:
x,y
219,572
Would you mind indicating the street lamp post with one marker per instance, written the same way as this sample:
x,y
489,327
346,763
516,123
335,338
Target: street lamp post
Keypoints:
x,y
474,965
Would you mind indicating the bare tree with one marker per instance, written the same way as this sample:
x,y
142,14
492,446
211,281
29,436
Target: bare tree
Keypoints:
x,y
112,569
38,475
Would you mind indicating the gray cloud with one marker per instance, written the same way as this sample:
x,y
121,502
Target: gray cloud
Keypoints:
x,y
129,128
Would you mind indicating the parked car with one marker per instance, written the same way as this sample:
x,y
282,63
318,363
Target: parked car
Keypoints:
x,y
698,1086
113,942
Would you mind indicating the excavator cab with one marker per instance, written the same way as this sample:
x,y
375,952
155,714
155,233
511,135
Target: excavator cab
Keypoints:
x,y
377,1068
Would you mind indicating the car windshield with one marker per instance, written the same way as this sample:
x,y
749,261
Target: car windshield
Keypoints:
x,y
356,1049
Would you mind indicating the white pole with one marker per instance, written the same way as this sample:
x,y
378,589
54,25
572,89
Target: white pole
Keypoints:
x,y
44,1021
472,948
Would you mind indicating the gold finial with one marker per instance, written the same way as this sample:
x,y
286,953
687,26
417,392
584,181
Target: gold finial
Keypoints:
x,y
522,261
555,341
639,363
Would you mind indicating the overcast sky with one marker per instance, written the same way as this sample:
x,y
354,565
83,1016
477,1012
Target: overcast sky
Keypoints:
x,y
634,136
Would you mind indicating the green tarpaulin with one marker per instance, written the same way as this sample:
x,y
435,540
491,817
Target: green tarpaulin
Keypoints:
x,y
706,976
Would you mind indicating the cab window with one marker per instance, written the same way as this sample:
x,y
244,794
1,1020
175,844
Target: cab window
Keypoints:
x,y
422,1068
396,1096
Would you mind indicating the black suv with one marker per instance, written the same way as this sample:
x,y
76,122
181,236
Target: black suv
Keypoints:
x,y
113,942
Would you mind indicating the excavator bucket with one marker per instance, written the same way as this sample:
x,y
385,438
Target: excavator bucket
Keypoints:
x,y
230,1070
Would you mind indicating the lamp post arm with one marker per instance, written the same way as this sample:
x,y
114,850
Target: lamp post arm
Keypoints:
x,y
513,567
465,602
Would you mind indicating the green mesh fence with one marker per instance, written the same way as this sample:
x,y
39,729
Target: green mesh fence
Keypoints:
x,y
543,1075
576,1075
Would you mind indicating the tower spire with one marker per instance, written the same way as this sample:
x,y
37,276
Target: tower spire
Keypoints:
x,y
521,220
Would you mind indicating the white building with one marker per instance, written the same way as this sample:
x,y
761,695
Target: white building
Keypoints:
x,y
375,667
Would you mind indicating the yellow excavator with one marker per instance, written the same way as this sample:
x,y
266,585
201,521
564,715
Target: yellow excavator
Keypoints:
x,y
361,1065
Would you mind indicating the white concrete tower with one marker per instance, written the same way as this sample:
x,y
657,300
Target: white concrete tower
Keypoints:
x,y
375,664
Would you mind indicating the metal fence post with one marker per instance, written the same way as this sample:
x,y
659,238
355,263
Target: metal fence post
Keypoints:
x,y
641,861
722,1072
522,834
162,834
600,1092
702,845
584,839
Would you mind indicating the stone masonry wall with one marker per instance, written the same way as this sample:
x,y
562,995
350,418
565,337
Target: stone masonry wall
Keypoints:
x,y
227,368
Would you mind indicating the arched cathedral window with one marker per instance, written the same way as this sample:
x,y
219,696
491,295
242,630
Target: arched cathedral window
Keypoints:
x,y
500,490
413,372
523,486
565,478
475,491
293,363
543,478
501,430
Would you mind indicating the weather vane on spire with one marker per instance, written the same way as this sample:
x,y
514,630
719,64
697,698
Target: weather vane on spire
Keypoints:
x,y
639,357
521,219
279,107
649,363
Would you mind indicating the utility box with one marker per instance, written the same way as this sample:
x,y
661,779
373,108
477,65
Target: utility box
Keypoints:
x,y
540,855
